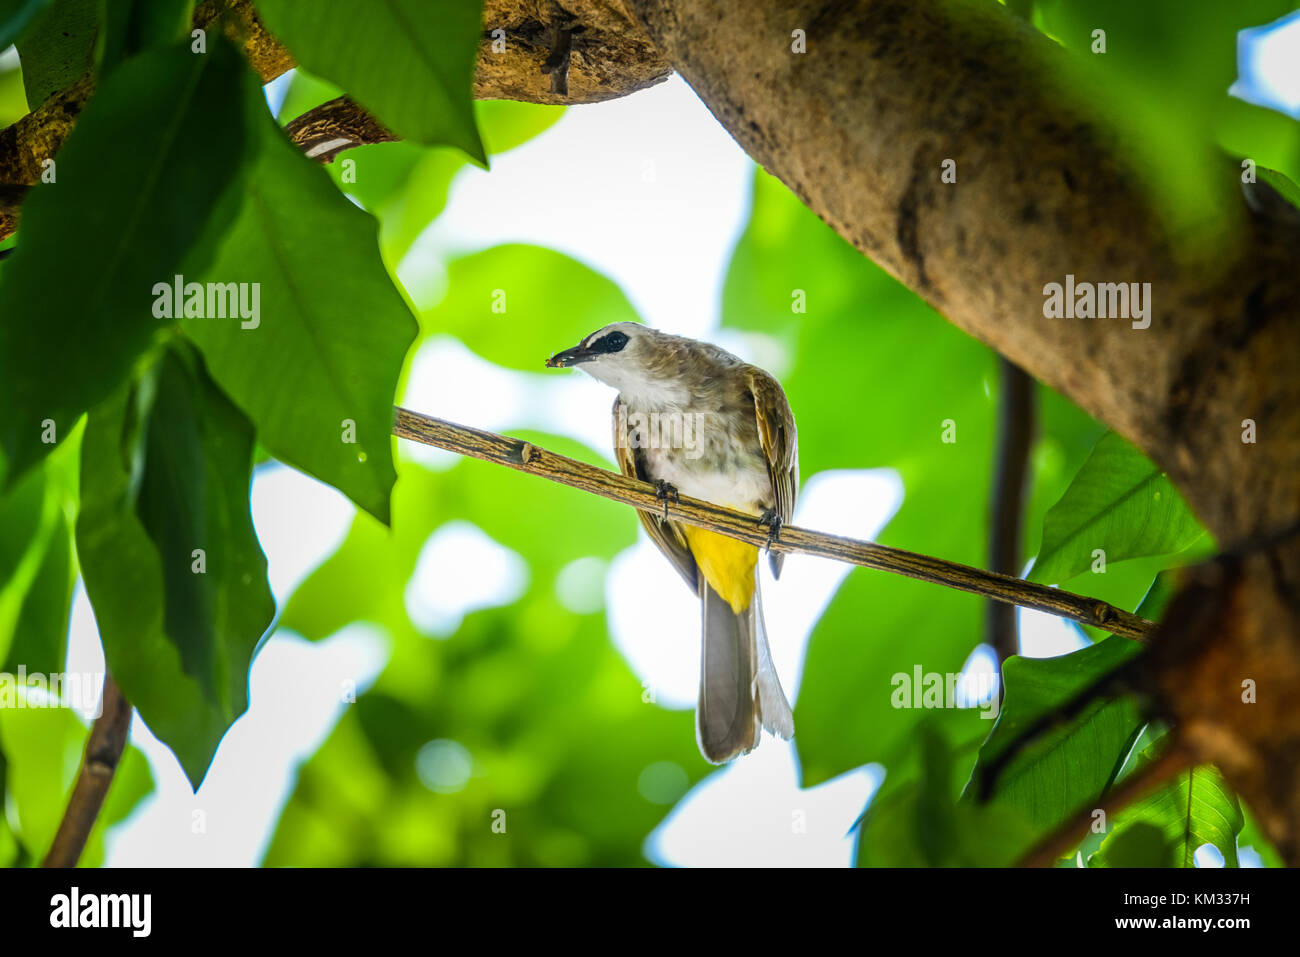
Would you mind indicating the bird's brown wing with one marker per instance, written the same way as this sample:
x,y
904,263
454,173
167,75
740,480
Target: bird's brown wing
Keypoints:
x,y
780,442
666,535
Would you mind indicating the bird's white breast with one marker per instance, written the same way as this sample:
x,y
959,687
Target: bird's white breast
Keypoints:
x,y
710,464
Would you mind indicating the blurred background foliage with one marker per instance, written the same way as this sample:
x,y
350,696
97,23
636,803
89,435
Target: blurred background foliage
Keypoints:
x,y
522,719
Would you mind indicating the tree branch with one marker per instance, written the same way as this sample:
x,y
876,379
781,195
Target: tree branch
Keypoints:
x,y
104,750
329,129
1015,439
605,55
526,457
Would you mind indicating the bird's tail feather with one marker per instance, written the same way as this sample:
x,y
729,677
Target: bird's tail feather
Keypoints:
x,y
739,689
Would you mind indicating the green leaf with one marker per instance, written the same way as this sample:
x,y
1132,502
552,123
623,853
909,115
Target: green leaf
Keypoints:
x,y
1067,766
40,641
22,545
1268,138
923,825
405,213
1195,809
43,748
58,48
133,26
36,565
317,368
92,248
1253,836
502,303
1119,503
193,502
1140,845
14,17
125,579
1285,188
411,62
404,184
1164,78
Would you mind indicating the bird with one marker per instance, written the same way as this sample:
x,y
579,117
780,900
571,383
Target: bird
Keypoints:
x,y
694,419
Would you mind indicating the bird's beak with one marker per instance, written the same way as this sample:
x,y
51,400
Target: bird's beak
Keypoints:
x,y
569,357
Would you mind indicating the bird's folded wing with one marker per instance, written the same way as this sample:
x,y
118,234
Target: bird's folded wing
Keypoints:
x,y
780,442
666,535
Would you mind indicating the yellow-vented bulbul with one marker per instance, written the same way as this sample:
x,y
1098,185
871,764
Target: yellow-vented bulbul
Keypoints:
x,y
695,419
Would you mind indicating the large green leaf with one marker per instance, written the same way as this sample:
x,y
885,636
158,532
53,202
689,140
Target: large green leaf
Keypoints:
x,y
316,370
43,748
878,626
133,26
116,222
193,502
502,304
14,17
410,61
1195,809
125,578
1119,503
58,46
405,184
1068,765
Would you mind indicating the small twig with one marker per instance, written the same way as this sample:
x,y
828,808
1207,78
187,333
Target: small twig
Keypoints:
x,y
1015,438
526,457
1137,785
104,750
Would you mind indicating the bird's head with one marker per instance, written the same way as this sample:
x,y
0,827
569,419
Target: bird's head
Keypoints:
x,y
615,355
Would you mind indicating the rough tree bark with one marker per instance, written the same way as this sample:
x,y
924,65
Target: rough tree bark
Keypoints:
x,y
858,127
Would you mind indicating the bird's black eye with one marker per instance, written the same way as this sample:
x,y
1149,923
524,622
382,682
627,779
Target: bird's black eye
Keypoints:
x,y
614,342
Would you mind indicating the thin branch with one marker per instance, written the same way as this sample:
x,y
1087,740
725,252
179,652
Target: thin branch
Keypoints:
x,y
1173,761
1015,438
104,750
526,457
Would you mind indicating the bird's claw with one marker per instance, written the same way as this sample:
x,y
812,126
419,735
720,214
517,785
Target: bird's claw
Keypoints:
x,y
772,522
664,491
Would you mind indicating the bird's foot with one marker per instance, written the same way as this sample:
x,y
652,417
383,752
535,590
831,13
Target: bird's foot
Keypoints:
x,y
664,491
772,522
